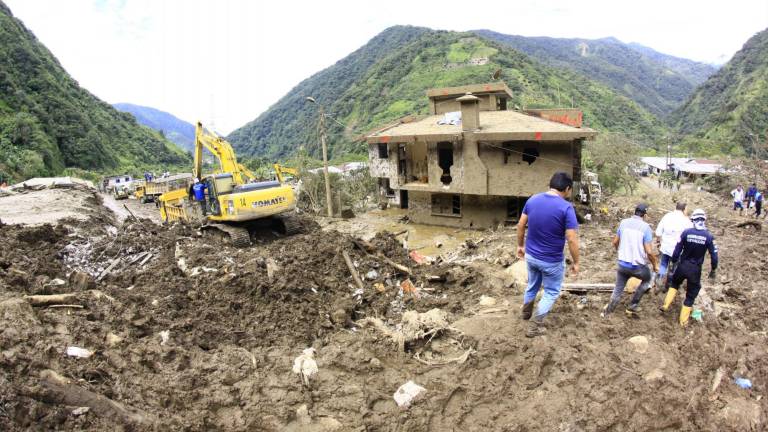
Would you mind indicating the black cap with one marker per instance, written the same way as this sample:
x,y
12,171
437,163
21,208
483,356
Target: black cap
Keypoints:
x,y
641,209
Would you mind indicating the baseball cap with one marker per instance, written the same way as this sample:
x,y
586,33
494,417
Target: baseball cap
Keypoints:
x,y
641,209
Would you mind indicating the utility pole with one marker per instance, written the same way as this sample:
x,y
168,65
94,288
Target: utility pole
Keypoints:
x,y
325,162
321,126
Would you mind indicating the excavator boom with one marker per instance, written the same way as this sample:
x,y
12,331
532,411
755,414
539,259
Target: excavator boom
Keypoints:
x,y
222,151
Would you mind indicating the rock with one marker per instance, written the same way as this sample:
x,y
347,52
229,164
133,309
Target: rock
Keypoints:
x,y
654,375
81,281
339,316
742,414
113,339
632,285
519,272
487,301
408,393
639,344
80,411
18,322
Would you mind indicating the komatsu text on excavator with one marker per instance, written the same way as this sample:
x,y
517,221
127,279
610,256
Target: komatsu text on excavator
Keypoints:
x,y
236,204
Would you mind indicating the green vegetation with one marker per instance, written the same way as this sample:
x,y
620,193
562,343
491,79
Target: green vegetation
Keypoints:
x,y
388,77
728,114
657,82
609,155
49,123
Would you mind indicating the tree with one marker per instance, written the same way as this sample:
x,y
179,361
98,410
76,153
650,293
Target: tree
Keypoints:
x,y
612,156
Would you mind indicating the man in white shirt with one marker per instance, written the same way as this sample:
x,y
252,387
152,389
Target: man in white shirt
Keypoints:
x,y
738,199
668,234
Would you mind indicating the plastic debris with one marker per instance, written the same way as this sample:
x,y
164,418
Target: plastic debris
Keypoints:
x,y
305,365
418,258
80,411
487,301
164,336
743,383
408,393
372,275
697,314
78,352
408,287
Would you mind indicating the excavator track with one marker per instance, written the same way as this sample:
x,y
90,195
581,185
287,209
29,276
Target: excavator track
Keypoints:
x,y
239,236
290,225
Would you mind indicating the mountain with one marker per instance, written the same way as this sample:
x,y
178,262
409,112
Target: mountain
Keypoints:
x,y
729,112
387,79
658,82
695,72
173,128
48,122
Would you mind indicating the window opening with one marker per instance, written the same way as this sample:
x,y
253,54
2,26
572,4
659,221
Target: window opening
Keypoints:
x,y
383,151
530,155
446,205
445,161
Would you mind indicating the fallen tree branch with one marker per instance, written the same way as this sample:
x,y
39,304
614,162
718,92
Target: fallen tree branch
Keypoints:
x,y
369,250
72,306
64,299
352,270
55,389
594,287
50,299
754,224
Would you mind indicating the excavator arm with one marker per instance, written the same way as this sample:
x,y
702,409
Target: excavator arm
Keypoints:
x,y
280,170
222,151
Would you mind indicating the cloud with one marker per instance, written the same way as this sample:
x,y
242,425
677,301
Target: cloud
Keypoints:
x,y
225,62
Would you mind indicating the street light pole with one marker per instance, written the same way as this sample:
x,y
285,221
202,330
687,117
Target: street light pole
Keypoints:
x,y
325,156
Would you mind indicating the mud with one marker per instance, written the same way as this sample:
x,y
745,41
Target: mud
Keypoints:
x,y
236,318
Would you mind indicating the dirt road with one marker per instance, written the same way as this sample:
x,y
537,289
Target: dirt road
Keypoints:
x,y
201,336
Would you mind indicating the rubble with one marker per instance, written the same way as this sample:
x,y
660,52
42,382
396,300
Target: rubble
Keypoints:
x,y
175,349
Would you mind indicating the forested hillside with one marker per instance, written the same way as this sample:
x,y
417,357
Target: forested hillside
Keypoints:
x,y
729,112
658,82
387,79
178,131
48,122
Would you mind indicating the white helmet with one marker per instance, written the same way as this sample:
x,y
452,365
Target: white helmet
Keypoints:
x,y
698,214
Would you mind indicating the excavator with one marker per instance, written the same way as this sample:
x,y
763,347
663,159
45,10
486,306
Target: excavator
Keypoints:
x,y
280,172
237,204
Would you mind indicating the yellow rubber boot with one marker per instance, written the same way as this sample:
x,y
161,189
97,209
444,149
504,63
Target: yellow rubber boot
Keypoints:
x,y
685,313
671,293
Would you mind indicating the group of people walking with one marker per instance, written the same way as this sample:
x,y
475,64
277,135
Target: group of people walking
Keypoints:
x,y
752,198
548,221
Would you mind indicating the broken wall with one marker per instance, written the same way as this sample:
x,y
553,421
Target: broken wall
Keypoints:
x,y
476,211
510,175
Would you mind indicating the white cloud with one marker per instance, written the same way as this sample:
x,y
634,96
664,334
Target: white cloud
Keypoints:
x,y
226,61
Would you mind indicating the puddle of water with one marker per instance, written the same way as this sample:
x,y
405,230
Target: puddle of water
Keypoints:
x,y
422,238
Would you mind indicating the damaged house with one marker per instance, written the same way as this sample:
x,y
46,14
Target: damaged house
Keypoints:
x,y
472,163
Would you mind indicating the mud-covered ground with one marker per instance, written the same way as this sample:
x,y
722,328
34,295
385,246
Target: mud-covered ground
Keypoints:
x,y
188,333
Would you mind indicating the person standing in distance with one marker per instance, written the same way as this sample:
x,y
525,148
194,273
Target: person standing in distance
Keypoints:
x,y
738,199
551,221
689,253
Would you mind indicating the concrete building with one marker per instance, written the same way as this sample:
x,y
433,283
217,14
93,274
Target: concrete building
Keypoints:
x,y
473,163
688,169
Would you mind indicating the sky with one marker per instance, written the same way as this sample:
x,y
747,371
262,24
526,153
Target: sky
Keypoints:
x,y
224,62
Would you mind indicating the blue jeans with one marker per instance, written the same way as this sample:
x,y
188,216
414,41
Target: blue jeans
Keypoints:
x,y
664,265
547,275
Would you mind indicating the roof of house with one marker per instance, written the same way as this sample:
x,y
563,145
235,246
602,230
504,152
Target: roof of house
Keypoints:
x,y
496,87
494,126
688,165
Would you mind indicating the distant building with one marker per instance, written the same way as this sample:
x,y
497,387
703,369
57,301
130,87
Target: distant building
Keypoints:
x,y
688,169
473,163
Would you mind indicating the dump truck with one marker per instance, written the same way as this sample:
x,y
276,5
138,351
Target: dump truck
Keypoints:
x,y
150,191
236,203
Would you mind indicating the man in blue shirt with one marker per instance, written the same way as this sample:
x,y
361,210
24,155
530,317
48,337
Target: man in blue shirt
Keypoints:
x,y
689,254
633,241
198,193
551,220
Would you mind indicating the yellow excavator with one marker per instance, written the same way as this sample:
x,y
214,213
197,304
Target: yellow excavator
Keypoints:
x,y
280,172
236,203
